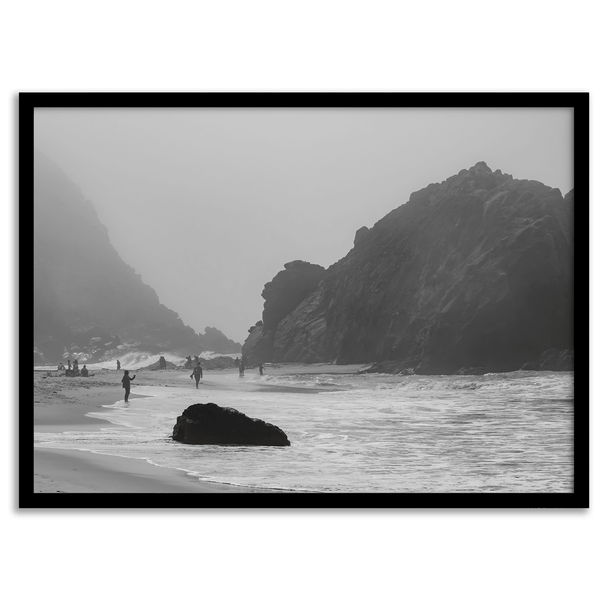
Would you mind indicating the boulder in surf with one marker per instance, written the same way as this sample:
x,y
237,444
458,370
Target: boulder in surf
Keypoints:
x,y
213,424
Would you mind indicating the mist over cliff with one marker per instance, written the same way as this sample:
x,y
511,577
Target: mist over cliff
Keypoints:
x,y
473,272
87,300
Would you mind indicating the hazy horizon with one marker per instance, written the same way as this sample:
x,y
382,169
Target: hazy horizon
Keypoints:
x,y
208,204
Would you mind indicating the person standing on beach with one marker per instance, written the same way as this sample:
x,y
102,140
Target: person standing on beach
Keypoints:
x,y
127,384
197,374
261,369
163,362
242,367
118,365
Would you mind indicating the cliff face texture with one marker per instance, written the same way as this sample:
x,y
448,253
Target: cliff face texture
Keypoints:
x,y
86,299
282,296
476,271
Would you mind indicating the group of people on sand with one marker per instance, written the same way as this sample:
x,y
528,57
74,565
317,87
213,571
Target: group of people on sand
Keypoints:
x,y
74,370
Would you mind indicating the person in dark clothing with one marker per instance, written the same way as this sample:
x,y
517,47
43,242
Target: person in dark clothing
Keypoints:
x,y
84,371
188,362
261,369
162,362
126,381
197,374
242,368
69,361
118,365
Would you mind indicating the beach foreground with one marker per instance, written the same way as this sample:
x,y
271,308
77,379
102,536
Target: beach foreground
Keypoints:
x,y
63,404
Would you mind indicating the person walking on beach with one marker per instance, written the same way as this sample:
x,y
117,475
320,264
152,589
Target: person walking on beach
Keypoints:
x,y
197,374
118,365
127,384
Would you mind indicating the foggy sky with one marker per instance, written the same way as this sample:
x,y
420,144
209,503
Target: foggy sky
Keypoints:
x,y
207,205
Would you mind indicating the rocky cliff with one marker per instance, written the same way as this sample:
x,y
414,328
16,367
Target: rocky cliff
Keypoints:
x,y
282,295
474,272
87,301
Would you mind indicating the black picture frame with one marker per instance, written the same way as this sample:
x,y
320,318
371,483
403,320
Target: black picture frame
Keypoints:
x,y
578,101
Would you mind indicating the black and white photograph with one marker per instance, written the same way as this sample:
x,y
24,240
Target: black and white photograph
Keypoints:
x,y
305,282
290,299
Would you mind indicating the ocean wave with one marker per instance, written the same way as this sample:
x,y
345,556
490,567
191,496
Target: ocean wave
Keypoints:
x,y
138,360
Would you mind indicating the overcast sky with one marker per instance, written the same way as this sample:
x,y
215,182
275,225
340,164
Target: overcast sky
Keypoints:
x,y
207,205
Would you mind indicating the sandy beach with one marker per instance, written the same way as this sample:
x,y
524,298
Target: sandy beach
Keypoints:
x,y
63,404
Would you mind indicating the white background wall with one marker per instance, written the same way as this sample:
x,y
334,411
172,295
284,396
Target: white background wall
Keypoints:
x,y
280,46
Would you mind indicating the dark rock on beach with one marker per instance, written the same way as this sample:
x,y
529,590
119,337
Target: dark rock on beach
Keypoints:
x,y
213,424
475,272
218,362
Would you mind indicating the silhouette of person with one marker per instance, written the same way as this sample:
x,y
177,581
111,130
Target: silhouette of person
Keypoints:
x,y
261,369
162,362
69,361
242,367
197,374
188,362
75,365
126,381
118,365
84,371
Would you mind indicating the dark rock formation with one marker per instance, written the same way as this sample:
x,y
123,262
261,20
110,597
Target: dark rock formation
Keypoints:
x,y
87,301
156,366
552,360
212,424
282,295
475,272
218,362
216,341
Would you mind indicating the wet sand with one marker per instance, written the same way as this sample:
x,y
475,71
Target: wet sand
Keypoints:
x,y
62,404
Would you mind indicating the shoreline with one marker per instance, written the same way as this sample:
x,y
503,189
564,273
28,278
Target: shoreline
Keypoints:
x,y
63,404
